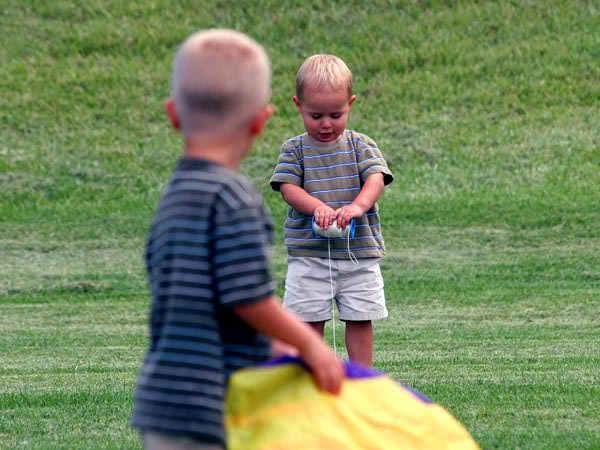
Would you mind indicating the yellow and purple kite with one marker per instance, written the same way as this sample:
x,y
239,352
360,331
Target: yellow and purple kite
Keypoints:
x,y
278,407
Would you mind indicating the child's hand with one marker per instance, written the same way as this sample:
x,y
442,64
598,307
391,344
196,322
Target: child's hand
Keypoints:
x,y
347,213
269,317
327,369
324,216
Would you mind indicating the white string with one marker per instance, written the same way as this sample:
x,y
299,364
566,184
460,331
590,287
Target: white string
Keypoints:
x,y
350,254
352,258
332,296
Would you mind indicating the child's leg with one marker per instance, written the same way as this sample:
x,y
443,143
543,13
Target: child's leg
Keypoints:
x,y
307,291
319,327
360,299
359,341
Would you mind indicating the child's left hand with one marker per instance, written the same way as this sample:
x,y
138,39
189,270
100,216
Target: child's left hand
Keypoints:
x,y
347,213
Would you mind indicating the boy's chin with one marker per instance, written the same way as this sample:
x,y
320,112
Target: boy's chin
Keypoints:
x,y
329,137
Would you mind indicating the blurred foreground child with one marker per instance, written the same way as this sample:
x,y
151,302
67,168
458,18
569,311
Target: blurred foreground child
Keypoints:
x,y
207,254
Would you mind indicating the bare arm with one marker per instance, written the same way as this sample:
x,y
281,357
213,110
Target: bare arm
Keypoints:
x,y
302,201
268,317
369,194
280,348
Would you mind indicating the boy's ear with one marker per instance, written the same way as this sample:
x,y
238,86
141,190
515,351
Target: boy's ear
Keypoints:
x,y
257,124
172,114
352,99
296,101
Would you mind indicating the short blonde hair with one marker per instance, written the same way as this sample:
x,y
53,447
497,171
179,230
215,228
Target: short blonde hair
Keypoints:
x,y
220,78
323,71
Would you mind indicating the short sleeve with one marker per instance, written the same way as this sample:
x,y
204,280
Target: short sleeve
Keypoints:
x,y
289,168
370,159
241,255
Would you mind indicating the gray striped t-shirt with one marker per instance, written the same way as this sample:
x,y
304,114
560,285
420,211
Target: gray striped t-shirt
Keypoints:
x,y
208,251
333,172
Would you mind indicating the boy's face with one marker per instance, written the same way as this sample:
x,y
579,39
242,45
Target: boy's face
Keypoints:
x,y
325,112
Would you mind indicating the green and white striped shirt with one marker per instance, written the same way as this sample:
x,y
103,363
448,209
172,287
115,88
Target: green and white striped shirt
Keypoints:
x,y
333,172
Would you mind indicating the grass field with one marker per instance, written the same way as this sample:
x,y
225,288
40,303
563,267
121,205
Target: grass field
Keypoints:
x,y
488,115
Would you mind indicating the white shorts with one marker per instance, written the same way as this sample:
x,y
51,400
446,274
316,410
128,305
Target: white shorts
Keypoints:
x,y
357,289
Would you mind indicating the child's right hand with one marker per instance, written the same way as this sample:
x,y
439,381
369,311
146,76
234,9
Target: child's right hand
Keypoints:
x,y
327,369
324,216
269,317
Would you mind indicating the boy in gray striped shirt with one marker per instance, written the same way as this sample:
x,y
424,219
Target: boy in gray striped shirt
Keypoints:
x,y
207,254
332,174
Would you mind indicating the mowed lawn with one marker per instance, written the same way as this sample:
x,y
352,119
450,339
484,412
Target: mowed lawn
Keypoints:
x,y
487,112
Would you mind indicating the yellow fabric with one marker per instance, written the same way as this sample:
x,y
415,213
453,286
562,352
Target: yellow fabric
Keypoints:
x,y
279,408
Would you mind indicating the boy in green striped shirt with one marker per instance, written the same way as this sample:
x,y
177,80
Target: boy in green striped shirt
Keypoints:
x,y
332,174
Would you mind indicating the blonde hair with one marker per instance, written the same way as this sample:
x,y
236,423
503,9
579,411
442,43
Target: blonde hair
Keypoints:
x,y
323,71
220,79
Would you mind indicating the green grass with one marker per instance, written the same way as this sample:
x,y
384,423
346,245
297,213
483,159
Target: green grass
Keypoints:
x,y
487,114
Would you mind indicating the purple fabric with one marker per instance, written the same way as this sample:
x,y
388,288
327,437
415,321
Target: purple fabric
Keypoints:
x,y
419,395
356,371
285,359
353,372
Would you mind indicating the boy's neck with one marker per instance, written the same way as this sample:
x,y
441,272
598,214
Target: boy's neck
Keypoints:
x,y
228,151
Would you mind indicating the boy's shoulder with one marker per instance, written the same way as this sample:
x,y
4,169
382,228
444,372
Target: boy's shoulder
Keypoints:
x,y
361,139
229,188
295,142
